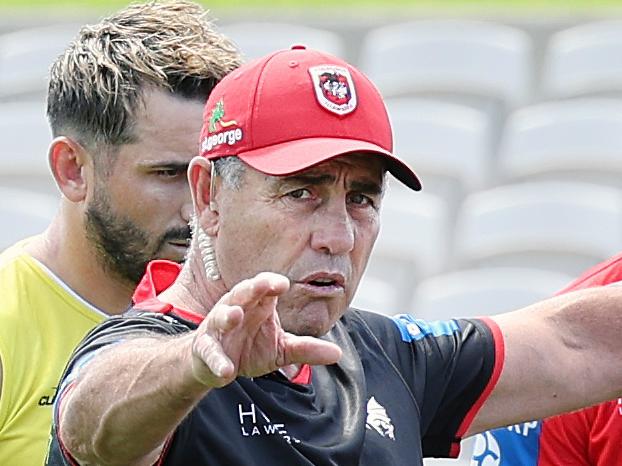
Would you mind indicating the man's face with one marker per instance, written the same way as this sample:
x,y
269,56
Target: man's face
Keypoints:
x,y
316,227
140,210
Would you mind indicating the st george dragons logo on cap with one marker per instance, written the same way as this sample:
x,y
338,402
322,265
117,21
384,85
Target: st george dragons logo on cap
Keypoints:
x,y
334,88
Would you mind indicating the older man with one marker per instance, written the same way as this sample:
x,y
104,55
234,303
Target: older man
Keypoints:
x,y
124,103
214,365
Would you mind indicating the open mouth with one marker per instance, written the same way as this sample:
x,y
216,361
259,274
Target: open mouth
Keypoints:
x,y
324,282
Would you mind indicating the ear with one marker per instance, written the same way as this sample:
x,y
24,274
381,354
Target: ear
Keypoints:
x,y
205,206
67,159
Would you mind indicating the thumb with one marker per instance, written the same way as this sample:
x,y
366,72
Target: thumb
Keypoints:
x,y
307,350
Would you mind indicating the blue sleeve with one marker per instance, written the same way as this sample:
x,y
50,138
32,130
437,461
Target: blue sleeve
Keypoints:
x,y
516,445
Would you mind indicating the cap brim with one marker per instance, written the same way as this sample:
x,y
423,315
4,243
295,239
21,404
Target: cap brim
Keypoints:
x,y
294,156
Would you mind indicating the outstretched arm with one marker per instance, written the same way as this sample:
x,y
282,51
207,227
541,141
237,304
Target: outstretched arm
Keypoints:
x,y
560,354
142,389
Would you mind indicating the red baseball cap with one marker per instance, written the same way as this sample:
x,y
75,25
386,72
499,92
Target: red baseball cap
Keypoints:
x,y
294,109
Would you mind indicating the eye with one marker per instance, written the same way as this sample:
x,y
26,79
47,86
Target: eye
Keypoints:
x,y
170,172
301,193
361,200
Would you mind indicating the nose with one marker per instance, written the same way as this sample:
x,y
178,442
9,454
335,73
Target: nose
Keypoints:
x,y
334,230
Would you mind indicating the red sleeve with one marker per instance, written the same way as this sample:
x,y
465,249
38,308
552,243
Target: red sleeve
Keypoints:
x,y
564,439
590,437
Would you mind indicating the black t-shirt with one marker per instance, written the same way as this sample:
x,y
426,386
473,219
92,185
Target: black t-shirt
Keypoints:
x,y
403,389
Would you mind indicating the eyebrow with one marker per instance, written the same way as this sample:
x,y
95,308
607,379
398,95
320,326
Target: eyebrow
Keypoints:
x,y
168,165
309,178
368,187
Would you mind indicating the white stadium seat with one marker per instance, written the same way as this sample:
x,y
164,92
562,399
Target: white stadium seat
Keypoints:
x,y
256,39
377,295
577,138
585,59
413,240
414,228
446,143
555,225
461,56
484,291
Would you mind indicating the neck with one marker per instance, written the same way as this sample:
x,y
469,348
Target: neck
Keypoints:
x,y
64,249
192,290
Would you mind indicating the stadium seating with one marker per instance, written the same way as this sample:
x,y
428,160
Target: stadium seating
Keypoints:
x,y
260,38
484,291
449,145
577,139
432,69
26,55
560,226
413,240
455,56
584,59
378,295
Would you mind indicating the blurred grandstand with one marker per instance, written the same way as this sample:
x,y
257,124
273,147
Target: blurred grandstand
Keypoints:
x,y
514,124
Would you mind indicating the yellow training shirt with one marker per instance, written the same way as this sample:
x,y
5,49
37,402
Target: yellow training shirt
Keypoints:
x,y
41,321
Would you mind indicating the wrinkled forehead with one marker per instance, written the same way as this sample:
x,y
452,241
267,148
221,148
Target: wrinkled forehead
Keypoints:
x,y
355,165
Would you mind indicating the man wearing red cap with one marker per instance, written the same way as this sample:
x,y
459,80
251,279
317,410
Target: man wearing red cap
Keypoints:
x,y
213,366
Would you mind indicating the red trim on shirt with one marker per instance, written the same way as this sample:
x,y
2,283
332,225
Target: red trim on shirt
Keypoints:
x,y
494,378
304,375
164,452
159,275
187,315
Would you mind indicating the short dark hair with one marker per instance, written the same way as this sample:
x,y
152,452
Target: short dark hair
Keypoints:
x,y
97,85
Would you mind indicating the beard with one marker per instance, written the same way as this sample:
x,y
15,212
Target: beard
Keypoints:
x,y
122,247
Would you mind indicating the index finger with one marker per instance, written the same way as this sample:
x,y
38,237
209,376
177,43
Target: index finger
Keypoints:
x,y
253,289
